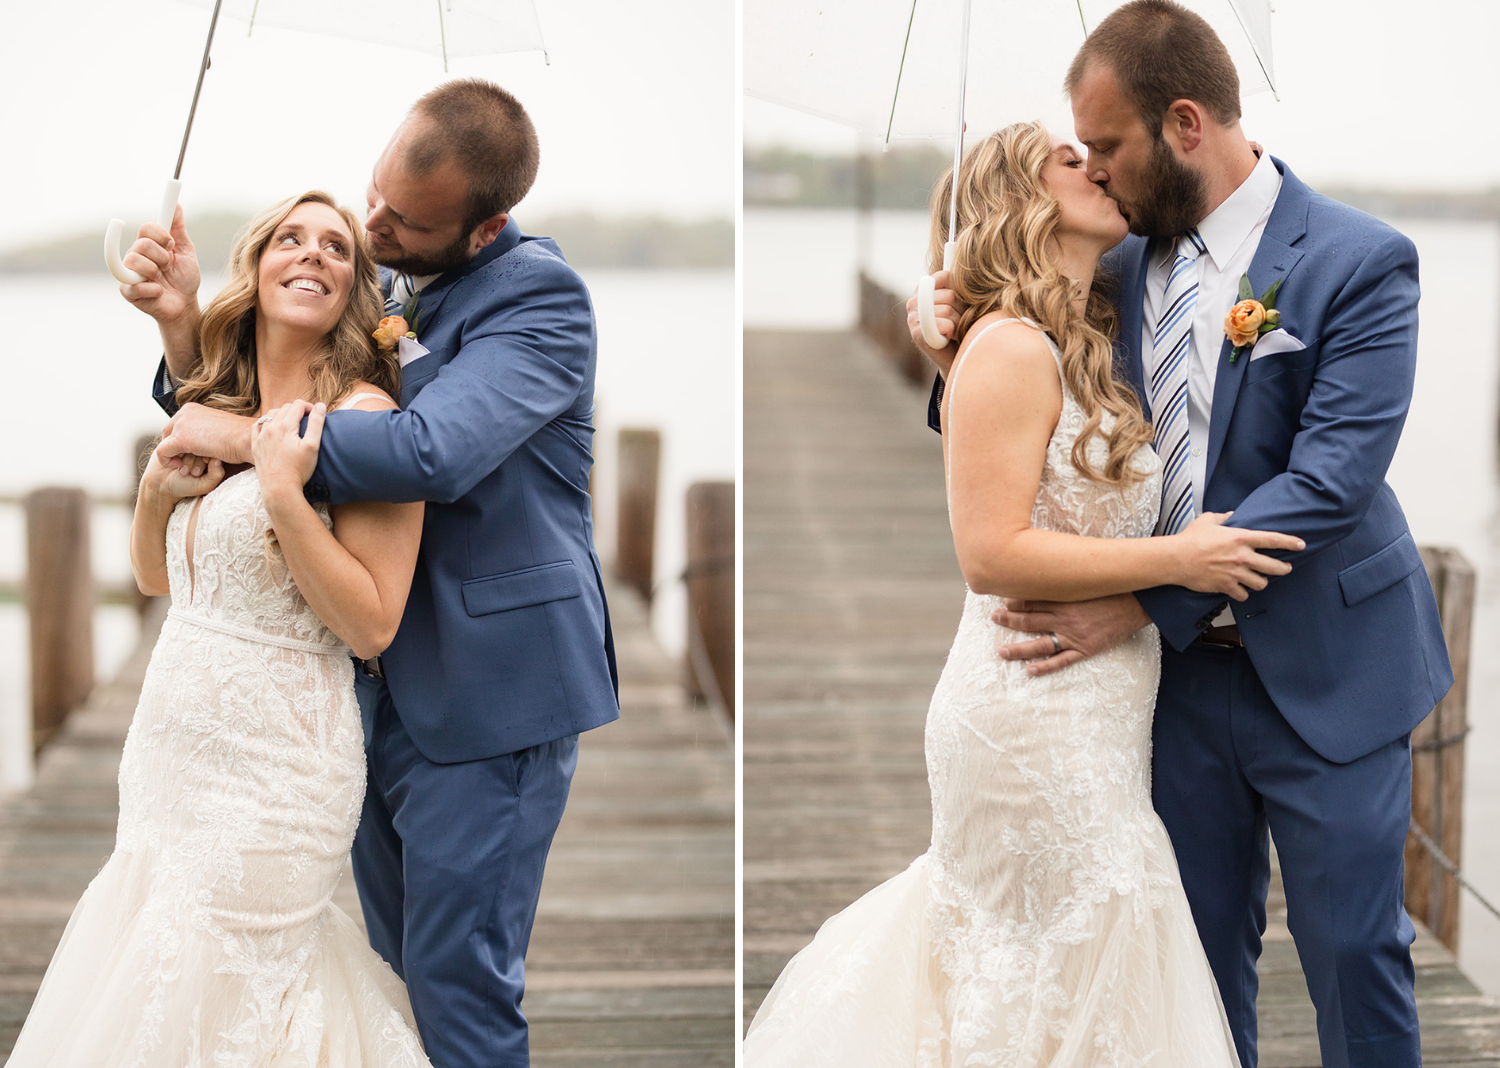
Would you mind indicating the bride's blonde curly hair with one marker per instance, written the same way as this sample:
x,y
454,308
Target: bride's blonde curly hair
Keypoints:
x,y
1005,217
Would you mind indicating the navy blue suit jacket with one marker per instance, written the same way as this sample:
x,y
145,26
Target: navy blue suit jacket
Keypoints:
x,y
1349,645
505,642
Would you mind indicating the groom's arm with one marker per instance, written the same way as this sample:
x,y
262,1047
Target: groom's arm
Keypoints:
x,y
520,366
1350,427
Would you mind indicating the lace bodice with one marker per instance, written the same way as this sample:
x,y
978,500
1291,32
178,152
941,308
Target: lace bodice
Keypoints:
x,y
239,579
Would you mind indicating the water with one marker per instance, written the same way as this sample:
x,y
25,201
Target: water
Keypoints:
x,y
799,269
80,361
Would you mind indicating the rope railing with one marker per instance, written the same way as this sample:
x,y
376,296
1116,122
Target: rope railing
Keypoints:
x,y
1441,859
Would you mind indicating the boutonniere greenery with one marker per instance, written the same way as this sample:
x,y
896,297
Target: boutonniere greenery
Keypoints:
x,y
1251,317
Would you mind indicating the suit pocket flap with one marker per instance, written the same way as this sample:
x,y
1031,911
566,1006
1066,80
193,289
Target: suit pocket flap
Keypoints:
x,y
1379,570
517,589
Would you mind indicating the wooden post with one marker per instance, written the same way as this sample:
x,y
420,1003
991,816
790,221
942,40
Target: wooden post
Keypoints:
x,y
639,465
1437,777
710,590
60,601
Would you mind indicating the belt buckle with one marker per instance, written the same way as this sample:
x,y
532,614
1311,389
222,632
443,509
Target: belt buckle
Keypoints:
x,y
1226,641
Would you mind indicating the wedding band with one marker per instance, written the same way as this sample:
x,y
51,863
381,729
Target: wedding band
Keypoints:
x,y
263,420
1056,645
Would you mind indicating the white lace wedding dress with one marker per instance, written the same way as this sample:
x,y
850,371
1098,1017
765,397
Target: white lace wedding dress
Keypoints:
x,y
210,937
1046,925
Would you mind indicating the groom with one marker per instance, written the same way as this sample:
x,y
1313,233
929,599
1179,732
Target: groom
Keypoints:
x,y
504,654
1289,711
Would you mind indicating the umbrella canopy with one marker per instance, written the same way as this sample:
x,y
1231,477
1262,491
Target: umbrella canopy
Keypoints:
x,y
845,60
446,28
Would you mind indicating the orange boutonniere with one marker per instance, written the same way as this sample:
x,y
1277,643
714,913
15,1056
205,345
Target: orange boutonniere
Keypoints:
x,y
390,332
1251,318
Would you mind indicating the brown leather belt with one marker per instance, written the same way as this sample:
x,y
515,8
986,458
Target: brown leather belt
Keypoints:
x,y
1223,637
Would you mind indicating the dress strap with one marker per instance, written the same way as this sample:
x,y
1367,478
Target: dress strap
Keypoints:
x,y
357,398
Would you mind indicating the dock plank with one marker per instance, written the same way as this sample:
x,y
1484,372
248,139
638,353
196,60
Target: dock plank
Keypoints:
x,y
852,595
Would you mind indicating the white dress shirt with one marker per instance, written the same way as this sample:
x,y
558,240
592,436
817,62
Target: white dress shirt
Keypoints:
x,y
1232,231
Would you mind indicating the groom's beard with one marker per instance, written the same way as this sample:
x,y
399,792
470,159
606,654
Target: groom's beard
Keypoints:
x,y
441,262
1174,198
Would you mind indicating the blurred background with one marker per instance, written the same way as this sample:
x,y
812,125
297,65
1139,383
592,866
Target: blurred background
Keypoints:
x,y
1383,109
635,112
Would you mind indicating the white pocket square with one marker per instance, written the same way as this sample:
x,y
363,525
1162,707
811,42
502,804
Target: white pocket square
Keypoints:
x,y
408,350
1278,340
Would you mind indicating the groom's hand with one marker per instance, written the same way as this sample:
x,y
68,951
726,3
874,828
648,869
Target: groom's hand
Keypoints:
x,y
168,290
1083,629
199,431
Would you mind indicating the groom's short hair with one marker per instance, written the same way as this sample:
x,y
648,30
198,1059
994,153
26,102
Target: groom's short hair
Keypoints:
x,y
486,132
1161,52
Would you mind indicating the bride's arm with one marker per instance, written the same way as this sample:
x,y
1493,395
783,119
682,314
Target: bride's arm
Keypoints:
x,y
161,488
995,434
356,577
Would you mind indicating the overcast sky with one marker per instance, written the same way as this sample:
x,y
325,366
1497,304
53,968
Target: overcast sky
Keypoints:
x,y
636,112
1373,92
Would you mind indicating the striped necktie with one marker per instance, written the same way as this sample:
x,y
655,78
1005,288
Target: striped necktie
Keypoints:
x,y
1172,347
401,287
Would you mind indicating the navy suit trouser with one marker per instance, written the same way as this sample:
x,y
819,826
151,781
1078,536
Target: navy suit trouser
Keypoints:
x,y
448,860
1226,768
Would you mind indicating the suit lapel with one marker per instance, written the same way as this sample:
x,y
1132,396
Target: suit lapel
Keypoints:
x,y
1275,257
1137,262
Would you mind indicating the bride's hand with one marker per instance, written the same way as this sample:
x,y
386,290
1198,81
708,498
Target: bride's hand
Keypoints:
x,y
187,476
284,458
1213,558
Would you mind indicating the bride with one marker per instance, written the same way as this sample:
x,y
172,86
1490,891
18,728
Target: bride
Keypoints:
x,y
210,936
1046,924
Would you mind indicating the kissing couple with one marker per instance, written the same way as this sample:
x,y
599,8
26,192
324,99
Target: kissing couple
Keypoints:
x,y
340,654
1195,617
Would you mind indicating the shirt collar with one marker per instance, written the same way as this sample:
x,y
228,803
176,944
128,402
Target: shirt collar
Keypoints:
x,y
1228,225
1225,228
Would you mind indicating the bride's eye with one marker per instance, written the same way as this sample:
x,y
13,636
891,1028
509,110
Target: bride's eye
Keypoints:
x,y
284,238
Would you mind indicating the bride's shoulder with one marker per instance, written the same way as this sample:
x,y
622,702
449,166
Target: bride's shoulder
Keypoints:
x,y
1010,364
1006,346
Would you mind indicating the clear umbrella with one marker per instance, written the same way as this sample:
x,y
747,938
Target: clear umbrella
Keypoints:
x,y
899,69
446,28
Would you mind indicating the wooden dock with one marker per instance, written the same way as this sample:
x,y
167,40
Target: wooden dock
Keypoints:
x,y
632,958
852,595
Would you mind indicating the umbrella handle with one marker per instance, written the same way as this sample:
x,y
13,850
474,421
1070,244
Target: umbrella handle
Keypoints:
x,y
116,229
927,302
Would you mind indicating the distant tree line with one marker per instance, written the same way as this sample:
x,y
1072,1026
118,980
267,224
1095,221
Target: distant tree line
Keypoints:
x,y
588,241
903,178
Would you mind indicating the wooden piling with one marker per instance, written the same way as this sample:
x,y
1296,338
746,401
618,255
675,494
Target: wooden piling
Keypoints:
x,y
1437,772
639,467
60,602
710,590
